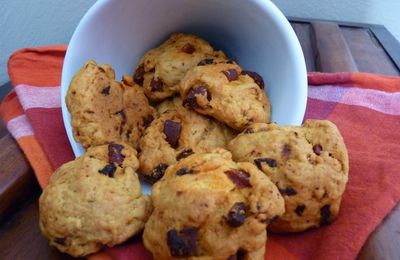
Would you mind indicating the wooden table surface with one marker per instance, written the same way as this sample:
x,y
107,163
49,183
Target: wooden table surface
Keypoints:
x,y
327,47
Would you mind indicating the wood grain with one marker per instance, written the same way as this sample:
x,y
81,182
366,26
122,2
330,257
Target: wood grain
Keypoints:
x,y
333,54
304,34
389,43
384,243
367,52
17,181
20,237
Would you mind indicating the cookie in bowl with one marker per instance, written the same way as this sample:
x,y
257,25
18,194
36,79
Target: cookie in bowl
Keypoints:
x,y
160,69
208,207
309,164
176,134
227,93
104,110
169,104
94,201
137,114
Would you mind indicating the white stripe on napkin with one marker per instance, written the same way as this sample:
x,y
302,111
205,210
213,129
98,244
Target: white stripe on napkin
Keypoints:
x,y
384,102
19,127
38,97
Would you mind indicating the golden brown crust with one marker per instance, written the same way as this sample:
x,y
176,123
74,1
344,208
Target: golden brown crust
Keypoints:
x,y
197,134
160,69
222,91
199,194
169,104
139,114
91,89
104,110
90,202
309,165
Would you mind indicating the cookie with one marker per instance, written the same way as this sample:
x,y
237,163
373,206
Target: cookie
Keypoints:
x,y
176,134
309,164
94,201
168,104
104,110
94,100
208,207
226,92
160,69
138,113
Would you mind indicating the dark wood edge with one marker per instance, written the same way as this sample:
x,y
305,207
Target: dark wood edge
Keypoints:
x,y
384,242
5,89
332,52
17,181
340,23
389,43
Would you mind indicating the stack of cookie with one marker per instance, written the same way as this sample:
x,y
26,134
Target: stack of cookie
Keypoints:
x,y
182,110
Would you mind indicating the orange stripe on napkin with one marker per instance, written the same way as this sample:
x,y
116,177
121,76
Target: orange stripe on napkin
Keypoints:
x,y
10,107
37,158
42,64
373,81
361,80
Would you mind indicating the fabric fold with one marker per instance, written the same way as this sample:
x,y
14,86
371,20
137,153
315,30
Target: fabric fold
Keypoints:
x,y
365,107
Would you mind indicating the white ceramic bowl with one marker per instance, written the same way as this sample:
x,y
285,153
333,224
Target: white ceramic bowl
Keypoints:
x,y
252,32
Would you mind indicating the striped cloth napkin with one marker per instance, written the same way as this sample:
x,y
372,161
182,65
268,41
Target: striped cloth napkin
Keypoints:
x,y
365,107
